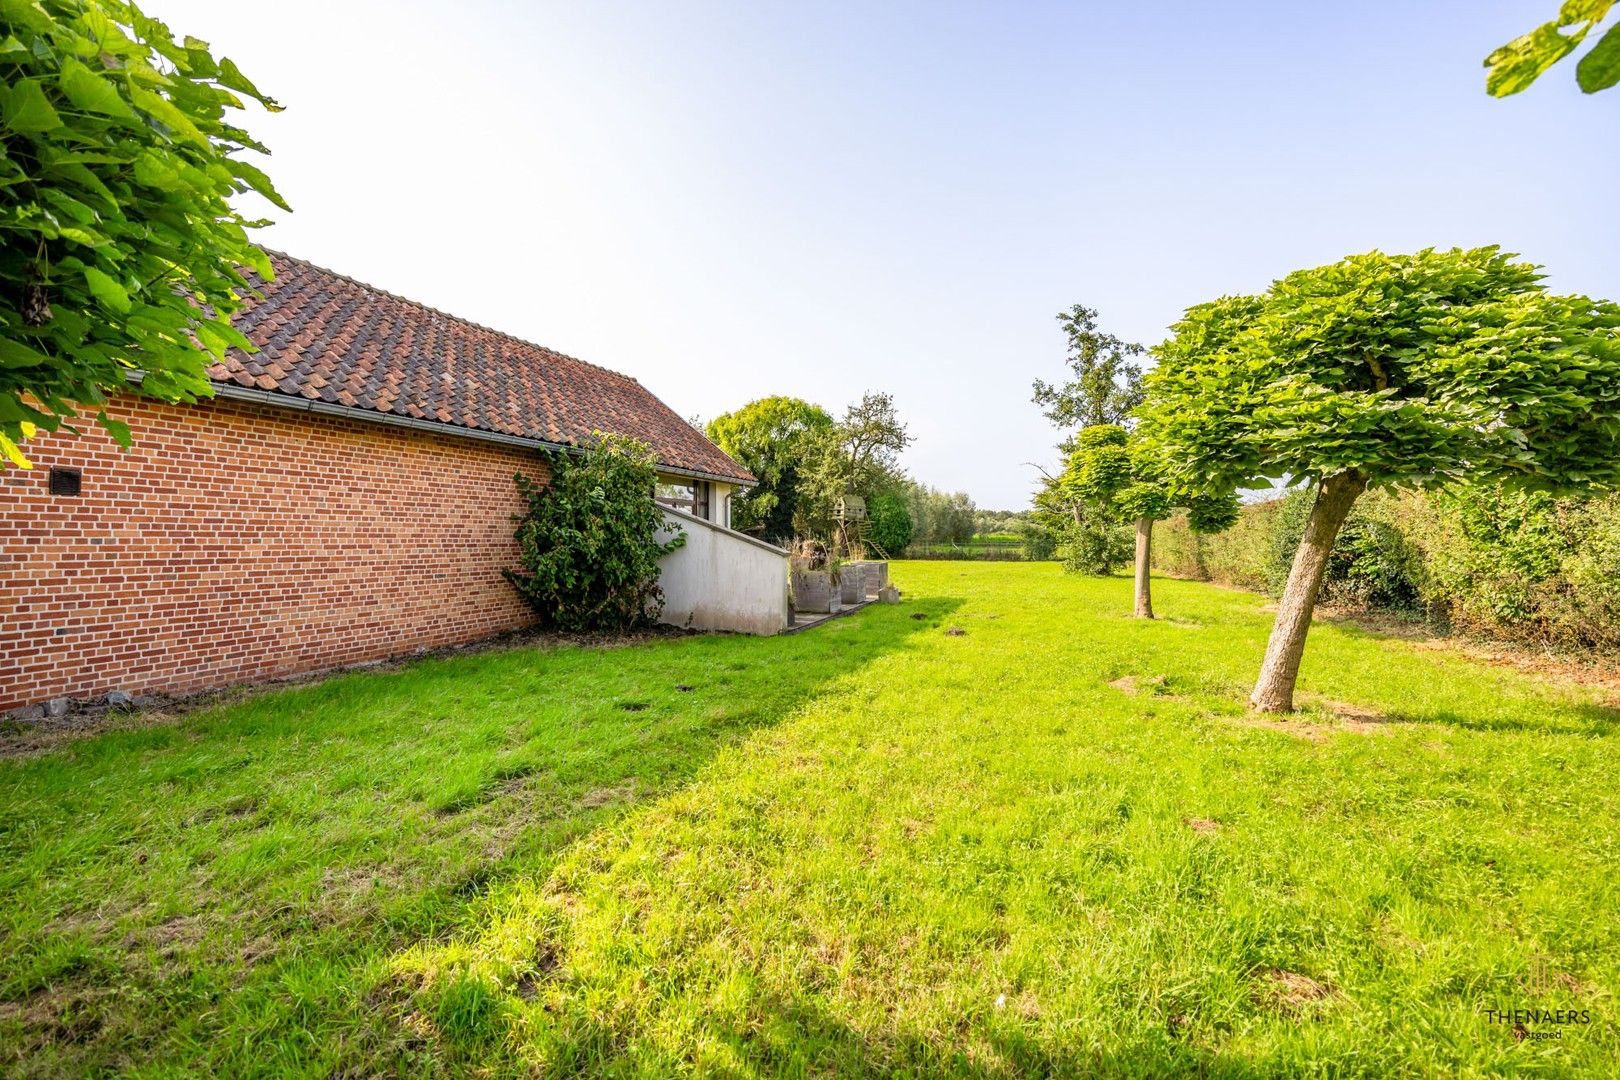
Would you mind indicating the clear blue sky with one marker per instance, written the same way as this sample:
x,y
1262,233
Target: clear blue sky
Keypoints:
x,y
733,200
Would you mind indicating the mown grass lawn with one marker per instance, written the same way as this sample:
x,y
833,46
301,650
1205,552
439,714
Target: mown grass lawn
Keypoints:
x,y
1051,844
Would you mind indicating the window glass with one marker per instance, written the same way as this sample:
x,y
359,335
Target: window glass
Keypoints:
x,y
692,496
675,493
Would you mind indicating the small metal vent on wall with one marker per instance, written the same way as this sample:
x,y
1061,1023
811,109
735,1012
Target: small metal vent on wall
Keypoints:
x,y
65,481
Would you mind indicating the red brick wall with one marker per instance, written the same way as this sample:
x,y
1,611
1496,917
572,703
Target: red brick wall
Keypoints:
x,y
236,542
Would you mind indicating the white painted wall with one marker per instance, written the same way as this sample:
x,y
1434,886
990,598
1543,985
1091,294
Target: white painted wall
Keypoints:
x,y
723,580
720,509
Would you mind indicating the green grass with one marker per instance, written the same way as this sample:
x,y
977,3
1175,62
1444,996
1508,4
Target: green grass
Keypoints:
x,y
872,848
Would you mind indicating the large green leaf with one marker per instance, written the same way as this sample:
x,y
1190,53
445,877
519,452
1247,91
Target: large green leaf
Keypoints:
x,y
257,180
164,111
25,13
91,92
1521,61
230,75
158,170
105,289
29,111
116,428
14,354
1600,68
1583,11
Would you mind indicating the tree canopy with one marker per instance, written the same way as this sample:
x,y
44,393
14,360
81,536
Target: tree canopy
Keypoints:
x,y
860,454
1123,474
1107,379
120,249
1090,538
1410,369
805,460
773,438
1116,477
1122,480
939,517
1520,62
867,443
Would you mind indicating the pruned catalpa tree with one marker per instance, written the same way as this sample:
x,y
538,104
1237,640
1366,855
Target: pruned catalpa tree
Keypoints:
x,y
1417,370
120,251
1120,475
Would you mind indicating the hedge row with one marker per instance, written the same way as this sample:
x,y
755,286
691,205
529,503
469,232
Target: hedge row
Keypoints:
x,y
1523,567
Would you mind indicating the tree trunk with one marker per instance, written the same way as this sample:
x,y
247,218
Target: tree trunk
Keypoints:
x,y
1275,690
1144,561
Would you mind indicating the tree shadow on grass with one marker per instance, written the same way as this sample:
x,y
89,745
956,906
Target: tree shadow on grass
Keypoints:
x,y
1525,705
1318,715
210,890
1583,720
796,1036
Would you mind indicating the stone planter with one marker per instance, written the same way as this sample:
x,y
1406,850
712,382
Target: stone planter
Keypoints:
x,y
874,575
812,591
852,583
857,571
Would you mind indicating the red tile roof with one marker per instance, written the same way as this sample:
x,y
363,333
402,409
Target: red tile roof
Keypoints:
x,y
326,337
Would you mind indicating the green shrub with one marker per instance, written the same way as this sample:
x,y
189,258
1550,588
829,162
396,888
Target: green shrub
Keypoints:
x,y
1095,547
1372,563
890,521
1518,566
1588,610
589,540
1241,555
1524,565
1040,542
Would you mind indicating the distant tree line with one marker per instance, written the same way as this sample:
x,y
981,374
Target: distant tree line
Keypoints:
x,y
1000,522
940,517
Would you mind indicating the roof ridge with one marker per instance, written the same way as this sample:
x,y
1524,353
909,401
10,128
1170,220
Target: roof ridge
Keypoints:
x,y
463,320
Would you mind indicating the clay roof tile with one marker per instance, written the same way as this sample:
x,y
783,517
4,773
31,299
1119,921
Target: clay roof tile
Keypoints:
x,y
325,335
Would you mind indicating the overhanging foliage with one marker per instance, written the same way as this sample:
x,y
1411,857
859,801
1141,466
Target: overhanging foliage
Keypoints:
x,y
1520,62
120,250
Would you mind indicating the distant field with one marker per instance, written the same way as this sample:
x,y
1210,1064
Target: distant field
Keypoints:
x,y
991,546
